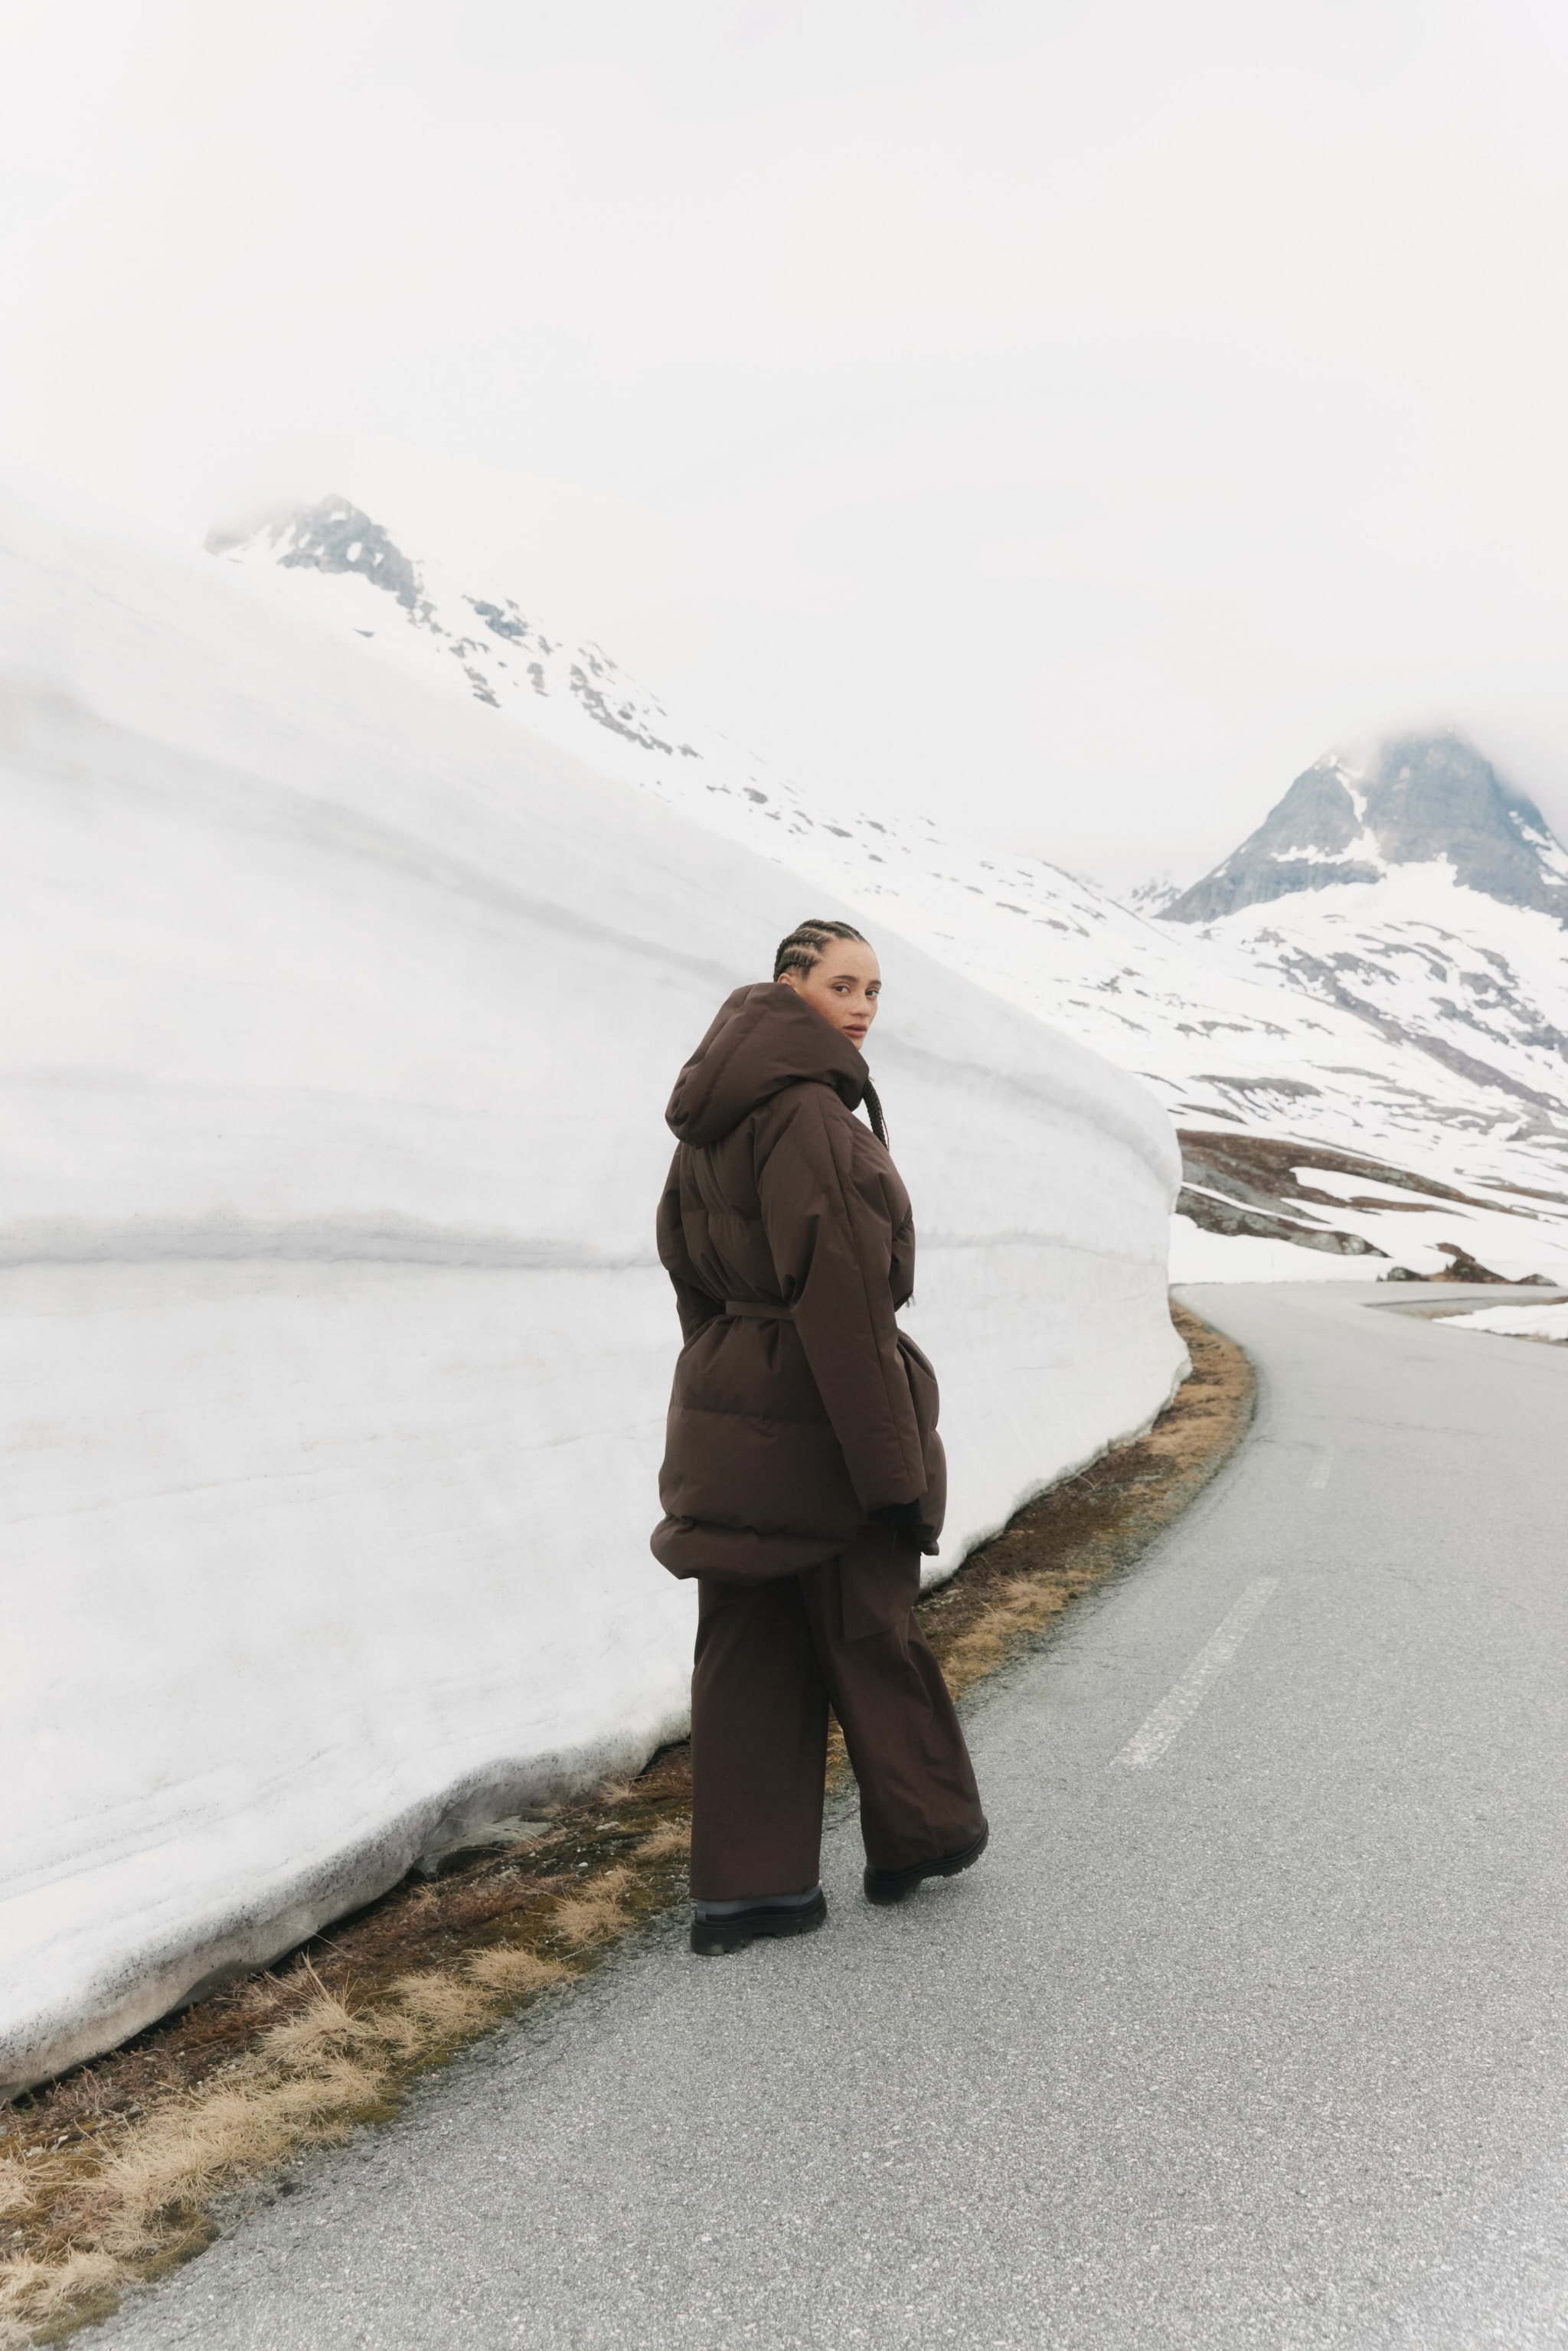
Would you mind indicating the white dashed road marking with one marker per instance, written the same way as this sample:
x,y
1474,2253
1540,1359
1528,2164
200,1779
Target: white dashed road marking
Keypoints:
x,y
1181,1702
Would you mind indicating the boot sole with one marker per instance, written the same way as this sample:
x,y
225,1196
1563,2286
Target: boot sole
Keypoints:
x,y
886,1887
713,1938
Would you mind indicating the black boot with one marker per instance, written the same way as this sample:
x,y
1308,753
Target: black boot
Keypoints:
x,y
885,1886
712,1938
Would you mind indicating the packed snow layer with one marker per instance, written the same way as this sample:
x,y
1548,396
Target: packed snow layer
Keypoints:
x,y
1199,1256
336,1350
1515,1321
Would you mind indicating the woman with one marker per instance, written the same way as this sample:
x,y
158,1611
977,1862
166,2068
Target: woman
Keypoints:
x,y
803,1475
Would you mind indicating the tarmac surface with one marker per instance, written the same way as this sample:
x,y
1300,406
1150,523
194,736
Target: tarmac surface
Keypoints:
x,y
1247,2030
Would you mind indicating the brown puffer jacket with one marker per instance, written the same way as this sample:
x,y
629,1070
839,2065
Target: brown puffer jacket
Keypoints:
x,y
790,1424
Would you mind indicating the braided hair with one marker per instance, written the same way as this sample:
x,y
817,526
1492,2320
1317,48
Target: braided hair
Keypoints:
x,y
802,951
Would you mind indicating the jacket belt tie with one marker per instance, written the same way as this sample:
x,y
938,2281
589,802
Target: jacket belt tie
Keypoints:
x,y
755,1313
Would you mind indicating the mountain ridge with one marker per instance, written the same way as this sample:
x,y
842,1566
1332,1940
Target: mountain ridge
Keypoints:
x,y
1405,1020
509,656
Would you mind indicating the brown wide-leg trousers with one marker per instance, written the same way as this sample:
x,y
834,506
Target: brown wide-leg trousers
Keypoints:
x,y
770,1659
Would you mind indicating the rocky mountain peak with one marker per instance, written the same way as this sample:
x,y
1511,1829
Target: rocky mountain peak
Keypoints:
x,y
334,535
1420,800
482,643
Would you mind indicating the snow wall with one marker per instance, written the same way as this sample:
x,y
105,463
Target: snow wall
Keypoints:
x,y
336,1350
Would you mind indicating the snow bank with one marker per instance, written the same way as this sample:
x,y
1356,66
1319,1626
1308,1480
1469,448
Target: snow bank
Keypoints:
x,y
1199,1255
1514,1322
335,1344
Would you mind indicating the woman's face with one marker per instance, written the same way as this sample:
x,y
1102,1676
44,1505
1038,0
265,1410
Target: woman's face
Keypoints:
x,y
843,986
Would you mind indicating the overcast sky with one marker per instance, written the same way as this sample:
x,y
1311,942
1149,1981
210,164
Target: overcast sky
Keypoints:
x,y
1068,419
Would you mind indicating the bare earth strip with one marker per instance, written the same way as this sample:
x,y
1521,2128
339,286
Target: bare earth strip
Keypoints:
x,y
114,2173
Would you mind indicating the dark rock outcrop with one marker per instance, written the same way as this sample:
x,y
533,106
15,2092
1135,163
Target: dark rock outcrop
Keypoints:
x,y
1253,1185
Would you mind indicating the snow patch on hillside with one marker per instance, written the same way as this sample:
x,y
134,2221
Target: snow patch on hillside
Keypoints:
x,y
1419,957
1514,1322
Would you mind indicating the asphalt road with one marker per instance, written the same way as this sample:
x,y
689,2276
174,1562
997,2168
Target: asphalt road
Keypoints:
x,y
1247,2030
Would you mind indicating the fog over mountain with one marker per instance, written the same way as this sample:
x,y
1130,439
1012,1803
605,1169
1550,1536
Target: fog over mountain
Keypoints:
x,y
1065,420
1372,985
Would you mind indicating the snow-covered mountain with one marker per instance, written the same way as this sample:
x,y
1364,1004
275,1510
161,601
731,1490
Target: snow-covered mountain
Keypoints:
x,y
1421,892
1421,800
340,565
1416,889
1408,1036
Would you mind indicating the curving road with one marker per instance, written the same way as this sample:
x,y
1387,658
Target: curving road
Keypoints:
x,y
1249,2031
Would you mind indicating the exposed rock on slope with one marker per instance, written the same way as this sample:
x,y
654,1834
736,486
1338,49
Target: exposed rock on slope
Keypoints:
x,y
1257,1188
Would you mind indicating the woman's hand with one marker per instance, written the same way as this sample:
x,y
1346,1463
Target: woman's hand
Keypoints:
x,y
898,1514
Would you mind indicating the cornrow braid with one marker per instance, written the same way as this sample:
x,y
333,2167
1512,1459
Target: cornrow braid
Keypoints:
x,y
802,951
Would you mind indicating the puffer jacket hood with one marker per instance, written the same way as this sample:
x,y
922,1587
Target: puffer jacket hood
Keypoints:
x,y
765,1038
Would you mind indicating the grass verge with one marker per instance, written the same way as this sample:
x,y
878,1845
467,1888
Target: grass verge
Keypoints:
x,y
113,2174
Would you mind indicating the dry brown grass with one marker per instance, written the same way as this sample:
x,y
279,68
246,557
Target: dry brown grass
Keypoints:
x,y
194,2146
513,1971
675,1837
321,2023
596,1913
32,2293
434,2007
111,2174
